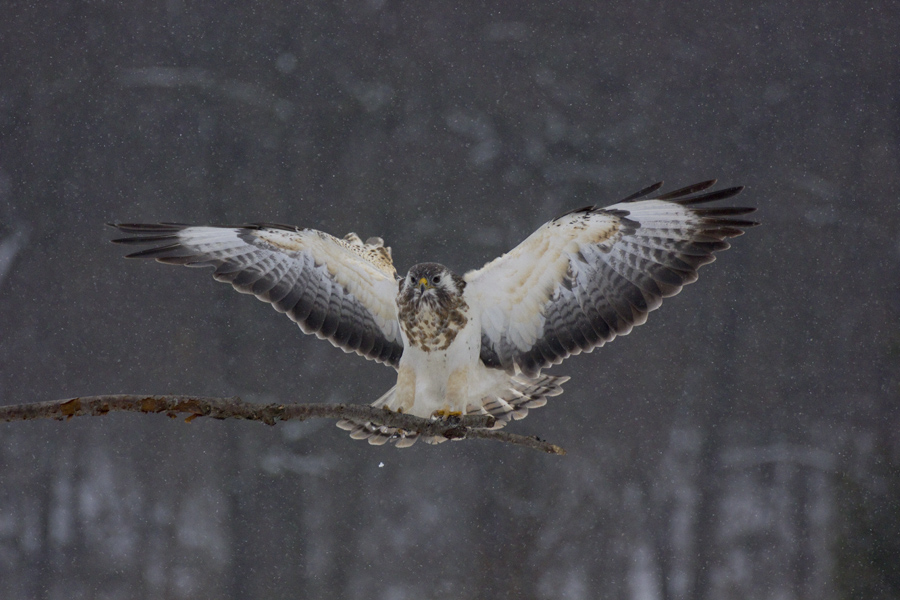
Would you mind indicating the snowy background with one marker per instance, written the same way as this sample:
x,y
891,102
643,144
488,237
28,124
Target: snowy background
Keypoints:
x,y
745,443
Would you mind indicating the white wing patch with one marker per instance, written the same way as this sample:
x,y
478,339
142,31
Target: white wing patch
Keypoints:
x,y
342,290
516,287
594,273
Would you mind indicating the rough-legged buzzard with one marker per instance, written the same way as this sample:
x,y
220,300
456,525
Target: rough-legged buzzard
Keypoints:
x,y
475,343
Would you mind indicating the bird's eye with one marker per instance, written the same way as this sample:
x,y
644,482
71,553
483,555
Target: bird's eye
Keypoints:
x,y
436,279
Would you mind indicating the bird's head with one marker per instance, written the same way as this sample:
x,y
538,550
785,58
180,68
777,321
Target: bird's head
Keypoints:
x,y
431,283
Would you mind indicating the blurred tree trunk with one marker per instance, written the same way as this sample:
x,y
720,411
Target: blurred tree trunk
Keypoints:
x,y
508,521
714,419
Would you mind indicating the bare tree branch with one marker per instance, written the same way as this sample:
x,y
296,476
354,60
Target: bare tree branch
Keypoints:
x,y
469,426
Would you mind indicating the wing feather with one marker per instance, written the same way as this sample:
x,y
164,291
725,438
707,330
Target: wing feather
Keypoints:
x,y
342,290
595,273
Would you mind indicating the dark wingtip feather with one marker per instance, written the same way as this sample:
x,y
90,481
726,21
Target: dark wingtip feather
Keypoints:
x,y
730,232
144,239
691,189
168,251
711,196
643,193
155,232
727,211
721,221
148,227
730,222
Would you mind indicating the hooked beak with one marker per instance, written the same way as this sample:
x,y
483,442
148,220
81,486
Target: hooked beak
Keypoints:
x,y
424,285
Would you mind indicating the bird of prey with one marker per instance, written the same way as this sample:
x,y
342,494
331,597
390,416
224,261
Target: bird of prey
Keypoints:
x,y
476,343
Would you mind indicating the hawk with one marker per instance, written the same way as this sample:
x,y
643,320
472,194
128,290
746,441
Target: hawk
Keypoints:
x,y
476,343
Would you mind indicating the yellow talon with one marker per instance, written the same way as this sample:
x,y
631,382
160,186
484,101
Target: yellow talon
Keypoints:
x,y
444,414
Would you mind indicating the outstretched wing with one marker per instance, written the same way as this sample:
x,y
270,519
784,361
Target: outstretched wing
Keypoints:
x,y
342,290
594,273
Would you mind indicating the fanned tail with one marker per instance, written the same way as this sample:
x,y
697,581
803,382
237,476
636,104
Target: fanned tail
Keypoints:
x,y
525,393
514,402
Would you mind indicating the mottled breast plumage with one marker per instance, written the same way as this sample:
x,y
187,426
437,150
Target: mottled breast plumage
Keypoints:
x,y
432,307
